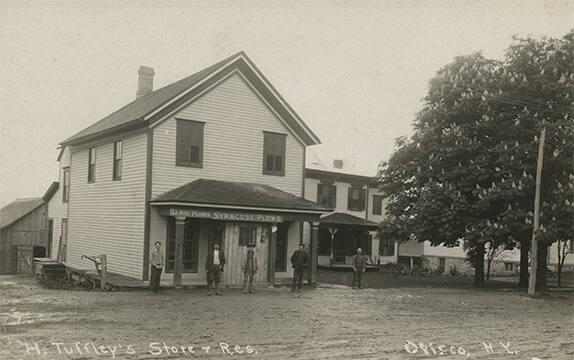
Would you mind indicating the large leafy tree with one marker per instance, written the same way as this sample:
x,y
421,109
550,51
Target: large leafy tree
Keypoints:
x,y
467,173
539,93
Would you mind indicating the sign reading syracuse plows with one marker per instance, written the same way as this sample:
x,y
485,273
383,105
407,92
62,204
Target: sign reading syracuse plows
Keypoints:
x,y
226,215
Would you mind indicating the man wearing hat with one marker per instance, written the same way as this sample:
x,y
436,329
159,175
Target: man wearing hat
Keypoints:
x,y
249,267
214,266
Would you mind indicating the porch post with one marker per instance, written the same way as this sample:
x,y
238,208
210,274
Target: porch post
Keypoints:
x,y
272,255
313,250
332,231
179,231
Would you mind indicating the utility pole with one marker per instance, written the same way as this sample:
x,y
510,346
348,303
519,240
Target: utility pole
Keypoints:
x,y
534,245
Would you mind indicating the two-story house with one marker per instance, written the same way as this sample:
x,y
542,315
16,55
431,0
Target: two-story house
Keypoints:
x,y
357,207
216,157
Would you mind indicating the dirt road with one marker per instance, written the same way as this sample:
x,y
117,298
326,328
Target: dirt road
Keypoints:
x,y
333,322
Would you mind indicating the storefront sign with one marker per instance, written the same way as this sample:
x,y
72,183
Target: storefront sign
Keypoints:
x,y
226,215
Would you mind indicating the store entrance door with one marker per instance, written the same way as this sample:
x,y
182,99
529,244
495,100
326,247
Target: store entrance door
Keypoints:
x,y
236,238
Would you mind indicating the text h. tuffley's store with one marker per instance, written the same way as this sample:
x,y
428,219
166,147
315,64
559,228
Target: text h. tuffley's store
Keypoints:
x,y
217,157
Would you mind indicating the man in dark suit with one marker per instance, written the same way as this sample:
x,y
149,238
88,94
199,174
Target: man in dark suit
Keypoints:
x,y
299,260
214,266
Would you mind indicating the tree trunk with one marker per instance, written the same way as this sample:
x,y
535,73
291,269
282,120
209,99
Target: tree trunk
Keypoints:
x,y
479,266
524,250
488,269
542,265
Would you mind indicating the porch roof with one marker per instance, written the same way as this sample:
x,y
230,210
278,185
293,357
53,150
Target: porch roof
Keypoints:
x,y
205,192
339,219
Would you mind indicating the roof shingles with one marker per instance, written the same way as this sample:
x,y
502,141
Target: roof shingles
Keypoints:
x,y
222,193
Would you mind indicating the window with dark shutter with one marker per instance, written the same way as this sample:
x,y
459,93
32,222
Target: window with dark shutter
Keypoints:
x,y
377,205
356,199
189,148
92,164
117,171
327,195
274,153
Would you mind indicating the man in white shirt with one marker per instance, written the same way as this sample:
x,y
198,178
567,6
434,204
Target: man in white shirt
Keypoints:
x,y
214,266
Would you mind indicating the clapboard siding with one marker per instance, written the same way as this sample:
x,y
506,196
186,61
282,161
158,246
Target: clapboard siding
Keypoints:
x,y
342,197
235,118
107,217
57,209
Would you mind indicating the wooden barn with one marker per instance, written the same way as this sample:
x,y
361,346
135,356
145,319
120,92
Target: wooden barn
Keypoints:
x,y
24,233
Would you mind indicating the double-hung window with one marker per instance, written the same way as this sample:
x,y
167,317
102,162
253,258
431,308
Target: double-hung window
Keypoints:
x,y
377,205
92,164
117,170
356,199
66,185
327,195
274,153
189,139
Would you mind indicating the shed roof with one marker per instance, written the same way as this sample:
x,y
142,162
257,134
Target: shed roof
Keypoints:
x,y
16,210
339,218
228,193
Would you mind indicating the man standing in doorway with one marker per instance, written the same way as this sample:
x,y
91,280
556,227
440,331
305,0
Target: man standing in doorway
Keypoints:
x,y
359,267
299,260
214,266
156,260
249,268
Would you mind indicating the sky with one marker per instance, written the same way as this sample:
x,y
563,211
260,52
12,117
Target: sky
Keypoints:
x,y
355,71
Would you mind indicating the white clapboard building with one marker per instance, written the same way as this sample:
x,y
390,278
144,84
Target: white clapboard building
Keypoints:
x,y
216,157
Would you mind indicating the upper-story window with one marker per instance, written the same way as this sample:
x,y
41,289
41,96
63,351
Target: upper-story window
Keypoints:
x,y
274,153
356,199
327,195
117,171
377,205
92,164
66,185
189,139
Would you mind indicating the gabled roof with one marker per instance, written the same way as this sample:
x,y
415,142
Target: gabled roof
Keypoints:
x,y
149,108
228,193
14,211
337,219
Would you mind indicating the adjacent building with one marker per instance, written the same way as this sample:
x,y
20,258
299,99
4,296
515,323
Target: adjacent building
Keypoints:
x,y
25,232
356,208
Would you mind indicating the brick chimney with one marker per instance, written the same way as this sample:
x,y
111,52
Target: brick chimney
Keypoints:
x,y
145,81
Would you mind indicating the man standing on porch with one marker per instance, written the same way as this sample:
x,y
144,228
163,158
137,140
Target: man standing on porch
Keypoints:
x,y
214,266
359,267
299,260
156,259
249,267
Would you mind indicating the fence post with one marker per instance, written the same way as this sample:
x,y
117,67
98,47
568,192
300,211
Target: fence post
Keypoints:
x,y
104,271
